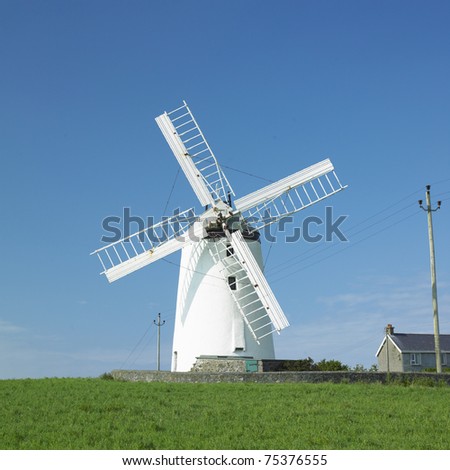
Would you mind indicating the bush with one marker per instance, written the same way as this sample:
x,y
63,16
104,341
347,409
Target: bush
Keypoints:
x,y
308,364
445,370
106,376
424,382
299,365
361,368
331,365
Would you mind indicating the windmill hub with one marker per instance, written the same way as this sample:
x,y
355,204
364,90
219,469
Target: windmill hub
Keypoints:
x,y
225,306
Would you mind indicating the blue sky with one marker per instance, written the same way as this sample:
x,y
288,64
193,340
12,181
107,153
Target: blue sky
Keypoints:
x,y
276,87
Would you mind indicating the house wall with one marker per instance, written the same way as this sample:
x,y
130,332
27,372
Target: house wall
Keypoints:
x,y
428,361
396,363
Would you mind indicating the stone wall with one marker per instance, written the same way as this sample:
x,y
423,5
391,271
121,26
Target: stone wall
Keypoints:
x,y
239,364
279,377
219,365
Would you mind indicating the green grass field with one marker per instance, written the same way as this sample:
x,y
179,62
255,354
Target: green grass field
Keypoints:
x,y
100,414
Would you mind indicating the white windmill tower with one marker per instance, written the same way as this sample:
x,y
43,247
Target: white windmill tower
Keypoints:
x,y
225,306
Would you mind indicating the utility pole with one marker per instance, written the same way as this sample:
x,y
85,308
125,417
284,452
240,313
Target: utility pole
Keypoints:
x,y
387,354
158,343
429,211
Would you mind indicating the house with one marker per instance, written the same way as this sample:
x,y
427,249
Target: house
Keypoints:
x,y
408,352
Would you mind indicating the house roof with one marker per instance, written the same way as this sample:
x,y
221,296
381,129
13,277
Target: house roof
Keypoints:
x,y
412,342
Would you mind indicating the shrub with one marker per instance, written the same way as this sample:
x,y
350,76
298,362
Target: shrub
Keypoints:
x,y
309,365
424,382
106,376
361,368
299,365
445,370
331,365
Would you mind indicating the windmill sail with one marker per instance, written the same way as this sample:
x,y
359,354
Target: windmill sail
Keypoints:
x,y
254,297
289,195
194,155
146,246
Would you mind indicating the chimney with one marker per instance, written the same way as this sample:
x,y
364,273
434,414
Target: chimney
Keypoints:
x,y
389,329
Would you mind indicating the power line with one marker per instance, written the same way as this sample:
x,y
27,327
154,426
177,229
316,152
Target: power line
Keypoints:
x,y
271,245
301,256
345,248
385,218
331,255
135,347
171,191
387,208
168,312
281,267
441,181
247,173
178,265
441,194
143,348
316,247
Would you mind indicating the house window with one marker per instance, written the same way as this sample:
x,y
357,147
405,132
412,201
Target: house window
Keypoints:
x,y
444,359
232,282
415,359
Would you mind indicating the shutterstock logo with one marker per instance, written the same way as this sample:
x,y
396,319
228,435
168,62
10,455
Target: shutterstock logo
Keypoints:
x,y
180,225
312,229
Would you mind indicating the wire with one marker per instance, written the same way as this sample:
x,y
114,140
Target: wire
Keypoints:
x,y
440,181
178,265
385,218
441,194
150,337
144,346
287,264
246,173
386,208
276,231
137,344
350,231
281,266
171,191
346,247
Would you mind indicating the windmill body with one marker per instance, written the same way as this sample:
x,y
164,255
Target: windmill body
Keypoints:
x,y
207,320
225,306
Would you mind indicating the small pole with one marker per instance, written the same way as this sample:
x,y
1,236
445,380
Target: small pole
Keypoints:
x,y
158,342
429,210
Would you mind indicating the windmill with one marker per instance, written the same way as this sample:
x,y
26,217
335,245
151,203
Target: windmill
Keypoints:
x,y
225,306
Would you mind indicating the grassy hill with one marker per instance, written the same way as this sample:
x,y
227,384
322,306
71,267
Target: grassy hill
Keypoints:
x,y
100,414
